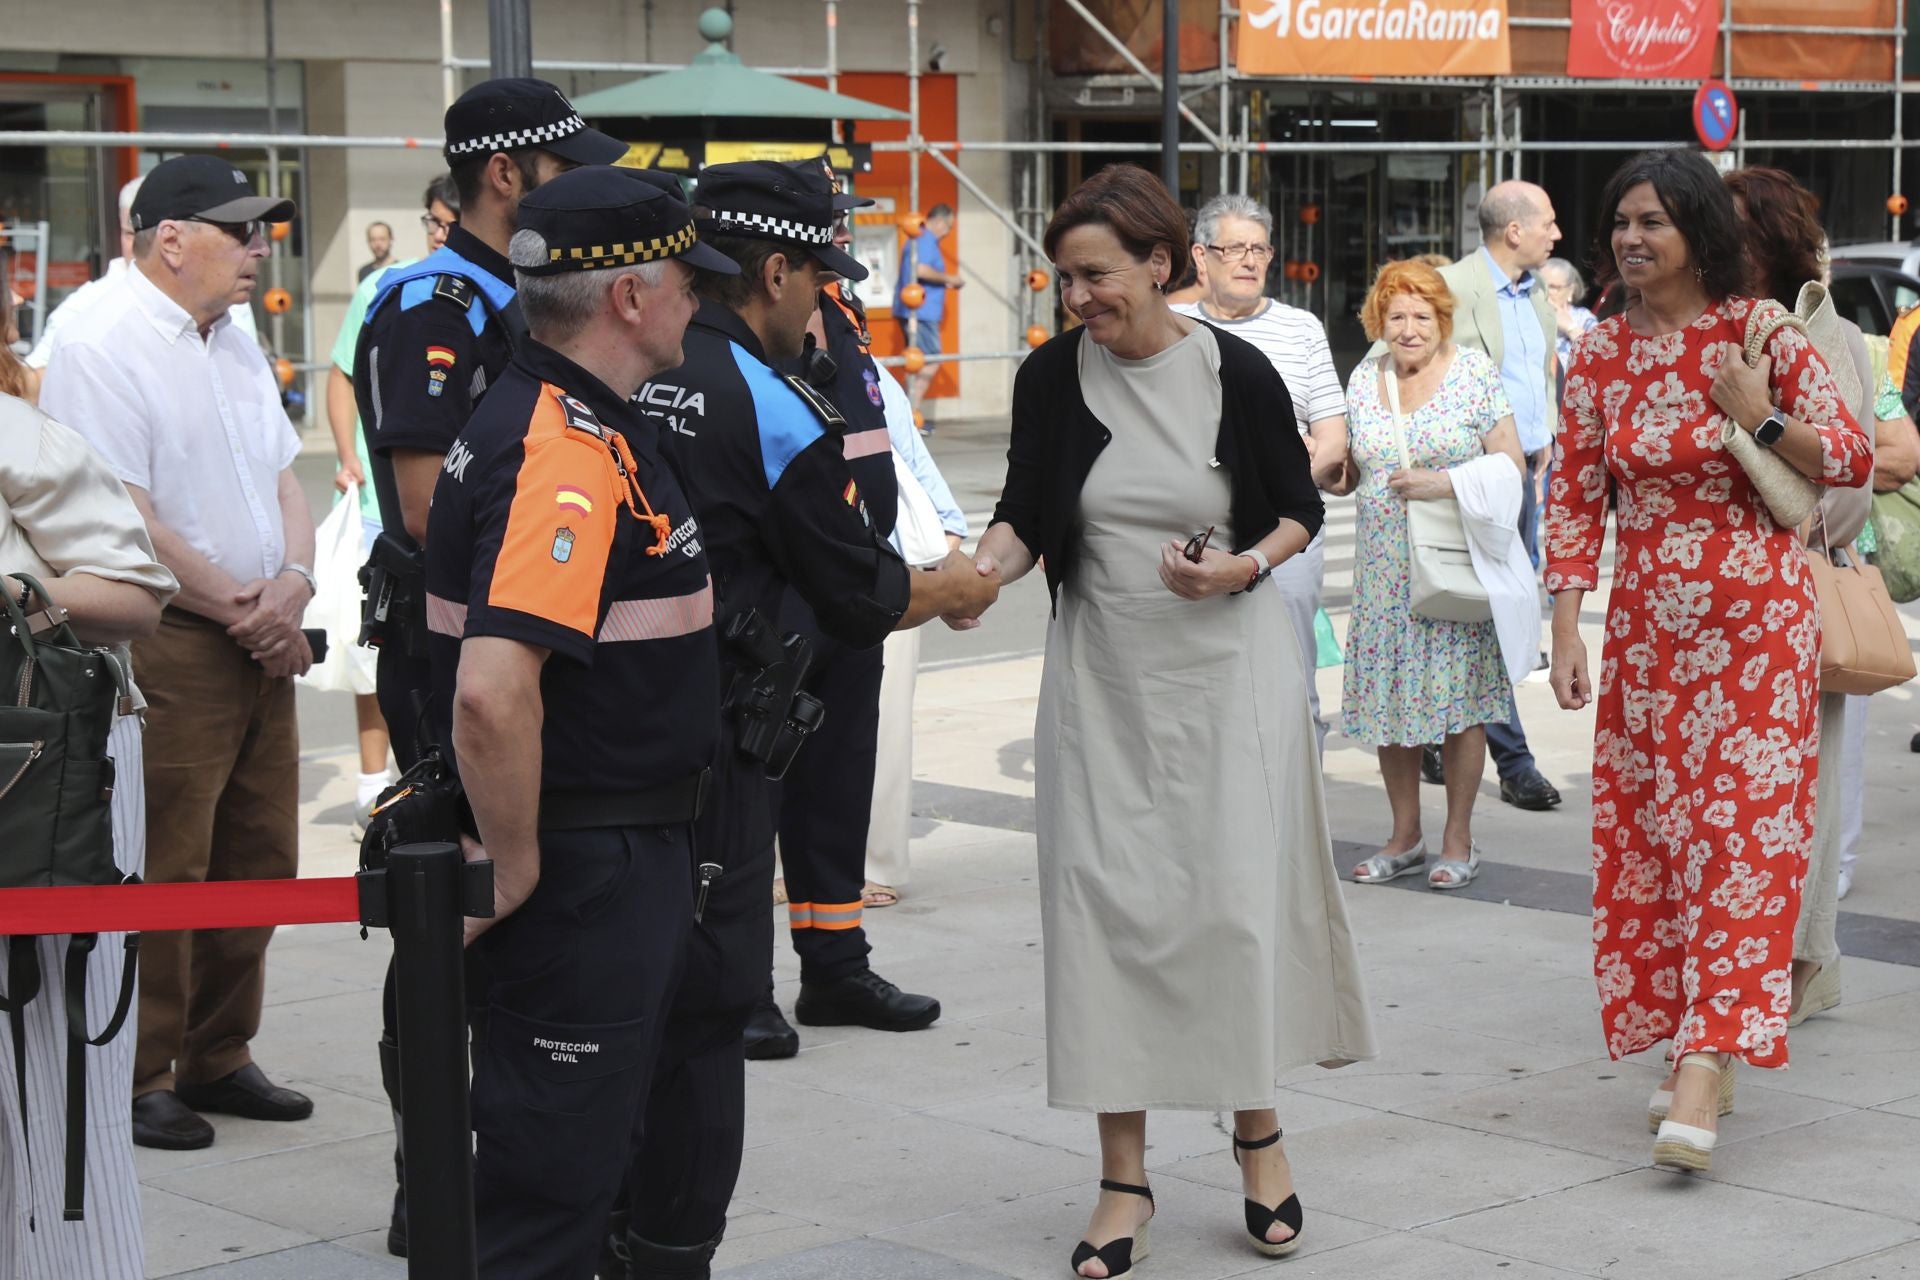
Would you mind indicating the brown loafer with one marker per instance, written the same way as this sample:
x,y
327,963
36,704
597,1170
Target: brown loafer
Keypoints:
x,y
162,1121
247,1092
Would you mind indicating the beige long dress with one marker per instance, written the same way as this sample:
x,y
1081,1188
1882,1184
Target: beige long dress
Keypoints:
x,y
1196,941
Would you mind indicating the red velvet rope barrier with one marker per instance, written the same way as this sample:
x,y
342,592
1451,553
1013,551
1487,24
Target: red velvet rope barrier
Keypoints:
x,y
220,904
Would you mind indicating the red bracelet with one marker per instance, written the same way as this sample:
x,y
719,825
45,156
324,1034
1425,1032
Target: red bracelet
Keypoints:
x,y
1253,578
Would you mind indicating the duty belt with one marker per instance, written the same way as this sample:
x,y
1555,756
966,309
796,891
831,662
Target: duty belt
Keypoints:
x,y
666,805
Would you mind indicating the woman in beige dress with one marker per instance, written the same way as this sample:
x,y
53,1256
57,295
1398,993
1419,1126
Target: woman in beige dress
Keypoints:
x,y
1196,942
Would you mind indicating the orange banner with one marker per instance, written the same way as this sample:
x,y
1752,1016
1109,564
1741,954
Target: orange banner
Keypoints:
x,y
1374,38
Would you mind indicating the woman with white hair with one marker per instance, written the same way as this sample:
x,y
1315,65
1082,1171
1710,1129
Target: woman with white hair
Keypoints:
x,y
1566,290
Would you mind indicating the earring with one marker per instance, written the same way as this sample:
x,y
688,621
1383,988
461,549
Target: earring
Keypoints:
x,y
1699,276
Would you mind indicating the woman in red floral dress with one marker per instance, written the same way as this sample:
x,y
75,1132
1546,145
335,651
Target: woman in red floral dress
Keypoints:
x,y
1703,772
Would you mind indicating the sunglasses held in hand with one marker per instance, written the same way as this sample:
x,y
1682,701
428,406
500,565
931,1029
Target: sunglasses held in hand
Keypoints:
x,y
1197,545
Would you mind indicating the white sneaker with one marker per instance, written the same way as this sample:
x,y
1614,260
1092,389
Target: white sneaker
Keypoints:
x,y
1845,886
362,814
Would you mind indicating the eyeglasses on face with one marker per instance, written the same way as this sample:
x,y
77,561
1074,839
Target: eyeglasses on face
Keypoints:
x,y
429,223
243,232
1232,253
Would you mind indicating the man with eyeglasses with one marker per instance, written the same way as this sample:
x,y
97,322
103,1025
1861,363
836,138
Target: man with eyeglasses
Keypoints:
x,y
181,405
1233,249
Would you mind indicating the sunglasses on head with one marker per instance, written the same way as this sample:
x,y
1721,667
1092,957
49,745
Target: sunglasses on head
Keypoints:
x,y
1197,545
244,232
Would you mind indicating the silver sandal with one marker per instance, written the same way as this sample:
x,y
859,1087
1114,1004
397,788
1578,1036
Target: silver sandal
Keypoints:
x,y
1451,873
1382,867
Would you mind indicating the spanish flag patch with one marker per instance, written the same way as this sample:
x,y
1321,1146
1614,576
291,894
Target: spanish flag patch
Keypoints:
x,y
440,355
575,499
851,495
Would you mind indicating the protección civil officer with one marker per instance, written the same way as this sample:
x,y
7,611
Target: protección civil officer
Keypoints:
x,y
576,677
438,334
762,457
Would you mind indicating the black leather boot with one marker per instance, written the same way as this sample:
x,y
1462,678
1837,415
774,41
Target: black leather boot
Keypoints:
x,y
649,1261
390,1081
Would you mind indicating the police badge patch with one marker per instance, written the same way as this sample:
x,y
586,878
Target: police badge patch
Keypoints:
x,y
563,544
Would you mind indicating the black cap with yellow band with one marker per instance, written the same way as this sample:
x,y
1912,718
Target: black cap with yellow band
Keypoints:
x,y
602,216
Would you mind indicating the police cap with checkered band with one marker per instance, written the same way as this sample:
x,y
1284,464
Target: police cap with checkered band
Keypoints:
x,y
601,216
504,115
767,200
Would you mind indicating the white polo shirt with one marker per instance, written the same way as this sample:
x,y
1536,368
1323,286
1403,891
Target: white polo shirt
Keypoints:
x,y
195,422
1296,343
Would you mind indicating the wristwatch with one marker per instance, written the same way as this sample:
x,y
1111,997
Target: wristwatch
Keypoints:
x,y
313,588
1262,569
1768,433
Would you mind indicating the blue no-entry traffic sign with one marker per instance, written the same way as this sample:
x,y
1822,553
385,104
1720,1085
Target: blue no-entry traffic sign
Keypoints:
x,y
1716,114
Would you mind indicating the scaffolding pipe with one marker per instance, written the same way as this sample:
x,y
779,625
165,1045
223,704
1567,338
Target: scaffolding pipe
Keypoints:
x,y
449,74
833,58
1133,60
957,357
1899,124
636,68
1744,28
1226,93
1170,104
989,204
915,143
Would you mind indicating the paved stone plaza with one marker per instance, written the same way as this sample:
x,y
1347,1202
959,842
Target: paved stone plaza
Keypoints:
x,y
1492,1137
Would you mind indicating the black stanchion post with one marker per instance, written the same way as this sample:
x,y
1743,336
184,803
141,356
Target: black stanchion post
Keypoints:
x,y
430,888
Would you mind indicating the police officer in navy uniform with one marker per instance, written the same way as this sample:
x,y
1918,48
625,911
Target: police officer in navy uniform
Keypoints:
x,y
438,334
576,679
762,455
826,799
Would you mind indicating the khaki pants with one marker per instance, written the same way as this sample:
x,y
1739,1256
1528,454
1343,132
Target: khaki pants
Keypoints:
x,y
223,791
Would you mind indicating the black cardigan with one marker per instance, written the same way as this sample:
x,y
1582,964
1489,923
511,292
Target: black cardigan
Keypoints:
x,y
1056,439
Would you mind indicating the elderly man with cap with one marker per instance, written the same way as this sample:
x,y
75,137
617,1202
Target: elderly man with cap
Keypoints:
x,y
186,412
762,455
438,334
576,681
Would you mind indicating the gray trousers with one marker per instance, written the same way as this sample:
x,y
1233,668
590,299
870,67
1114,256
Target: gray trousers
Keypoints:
x,y
1299,579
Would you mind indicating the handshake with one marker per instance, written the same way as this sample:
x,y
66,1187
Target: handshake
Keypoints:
x,y
961,588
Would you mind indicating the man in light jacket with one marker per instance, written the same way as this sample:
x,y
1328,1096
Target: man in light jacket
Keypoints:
x,y
1501,307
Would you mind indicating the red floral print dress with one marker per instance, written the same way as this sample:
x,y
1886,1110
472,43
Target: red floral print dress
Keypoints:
x,y
1708,683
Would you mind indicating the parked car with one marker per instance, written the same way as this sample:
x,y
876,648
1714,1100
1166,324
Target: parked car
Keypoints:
x,y
1902,255
1871,293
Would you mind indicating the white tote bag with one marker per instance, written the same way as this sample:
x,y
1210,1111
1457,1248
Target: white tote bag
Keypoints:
x,y
1441,565
335,607
923,541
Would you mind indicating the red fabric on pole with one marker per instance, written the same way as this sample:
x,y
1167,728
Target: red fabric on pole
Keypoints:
x,y
220,904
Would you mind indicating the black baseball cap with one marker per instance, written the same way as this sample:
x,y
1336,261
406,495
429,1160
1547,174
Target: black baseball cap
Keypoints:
x,y
206,188
500,115
601,216
769,200
821,166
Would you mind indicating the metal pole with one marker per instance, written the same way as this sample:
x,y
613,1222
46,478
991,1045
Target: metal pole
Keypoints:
x,y
448,72
1226,94
276,322
509,38
427,887
914,144
833,57
1899,124
1170,95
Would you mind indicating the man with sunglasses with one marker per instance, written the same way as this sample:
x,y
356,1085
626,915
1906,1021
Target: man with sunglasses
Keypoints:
x,y
762,457
185,410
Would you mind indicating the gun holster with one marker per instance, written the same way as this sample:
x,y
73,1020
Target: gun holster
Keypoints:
x,y
425,804
771,714
393,610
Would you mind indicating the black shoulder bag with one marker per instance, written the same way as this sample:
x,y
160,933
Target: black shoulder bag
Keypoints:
x,y
58,700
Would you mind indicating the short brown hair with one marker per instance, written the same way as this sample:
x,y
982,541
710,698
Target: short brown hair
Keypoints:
x,y
1131,203
1416,278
